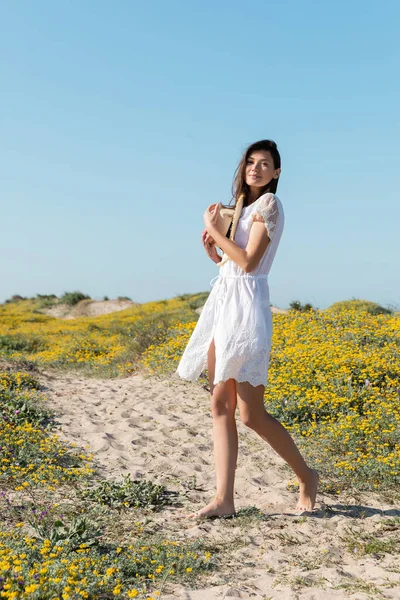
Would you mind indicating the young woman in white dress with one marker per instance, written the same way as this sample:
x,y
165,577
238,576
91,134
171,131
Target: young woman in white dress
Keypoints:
x,y
233,333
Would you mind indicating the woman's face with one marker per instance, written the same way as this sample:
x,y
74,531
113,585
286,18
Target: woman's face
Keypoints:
x,y
260,169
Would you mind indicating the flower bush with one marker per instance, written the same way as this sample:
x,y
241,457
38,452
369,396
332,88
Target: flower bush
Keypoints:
x,y
334,382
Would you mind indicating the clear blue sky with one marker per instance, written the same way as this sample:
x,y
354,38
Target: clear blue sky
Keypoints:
x,y
122,121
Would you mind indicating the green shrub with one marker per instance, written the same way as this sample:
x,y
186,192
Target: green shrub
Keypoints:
x,y
72,298
137,494
46,302
15,298
296,305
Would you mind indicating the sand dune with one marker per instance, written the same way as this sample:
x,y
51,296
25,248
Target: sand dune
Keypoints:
x,y
161,429
88,308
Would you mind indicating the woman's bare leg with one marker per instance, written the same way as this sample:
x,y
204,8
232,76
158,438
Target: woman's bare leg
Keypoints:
x,y
223,406
253,414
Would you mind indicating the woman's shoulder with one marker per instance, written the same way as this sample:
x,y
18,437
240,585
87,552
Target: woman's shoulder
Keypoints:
x,y
268,199
269,196
266,202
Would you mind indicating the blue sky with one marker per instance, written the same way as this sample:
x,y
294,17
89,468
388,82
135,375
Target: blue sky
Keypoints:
x,y
122,121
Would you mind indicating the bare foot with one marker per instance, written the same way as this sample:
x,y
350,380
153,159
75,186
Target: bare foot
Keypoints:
x,y
216,508
308,491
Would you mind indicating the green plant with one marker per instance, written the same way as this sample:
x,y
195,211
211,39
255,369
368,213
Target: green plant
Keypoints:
x,y
296,305
14,298
20,401
128,493
46,302
72,298
377,542
18,409
20,343
79,531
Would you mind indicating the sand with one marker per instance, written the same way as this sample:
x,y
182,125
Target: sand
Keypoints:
x,y
161,429
88,308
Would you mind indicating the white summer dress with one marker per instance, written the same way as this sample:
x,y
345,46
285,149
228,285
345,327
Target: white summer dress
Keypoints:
x,y
237,312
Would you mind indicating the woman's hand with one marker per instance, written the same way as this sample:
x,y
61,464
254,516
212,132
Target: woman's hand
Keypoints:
x,y
211,217
209,246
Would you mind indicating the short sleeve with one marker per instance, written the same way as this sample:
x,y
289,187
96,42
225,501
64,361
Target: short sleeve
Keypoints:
x,y
267,211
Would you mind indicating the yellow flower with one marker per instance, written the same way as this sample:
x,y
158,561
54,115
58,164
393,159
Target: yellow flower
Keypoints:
x,y
29,589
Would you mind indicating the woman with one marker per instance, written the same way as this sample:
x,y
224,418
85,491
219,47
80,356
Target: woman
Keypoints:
x,y
233,334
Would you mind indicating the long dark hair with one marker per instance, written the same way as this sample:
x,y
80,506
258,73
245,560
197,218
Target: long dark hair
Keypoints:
x,y
239,185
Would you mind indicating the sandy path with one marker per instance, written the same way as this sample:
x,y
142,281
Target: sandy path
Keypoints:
x,y
162,430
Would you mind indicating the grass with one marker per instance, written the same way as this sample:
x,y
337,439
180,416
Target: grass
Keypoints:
x,y
361,586
385,539
298,582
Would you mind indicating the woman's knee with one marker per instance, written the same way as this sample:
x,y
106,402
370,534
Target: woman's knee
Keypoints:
x,y
223,400
251,405
249,420
253,418
221,409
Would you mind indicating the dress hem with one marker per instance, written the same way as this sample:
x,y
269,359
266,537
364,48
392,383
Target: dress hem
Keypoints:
x,y
253,384
241,381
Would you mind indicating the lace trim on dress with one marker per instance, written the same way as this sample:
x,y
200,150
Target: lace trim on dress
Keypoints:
x,y
268,210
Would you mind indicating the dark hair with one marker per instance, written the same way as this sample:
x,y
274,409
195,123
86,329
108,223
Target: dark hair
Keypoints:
x,y
240,186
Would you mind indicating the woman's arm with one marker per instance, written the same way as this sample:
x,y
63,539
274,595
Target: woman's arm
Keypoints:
x,y
247,258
